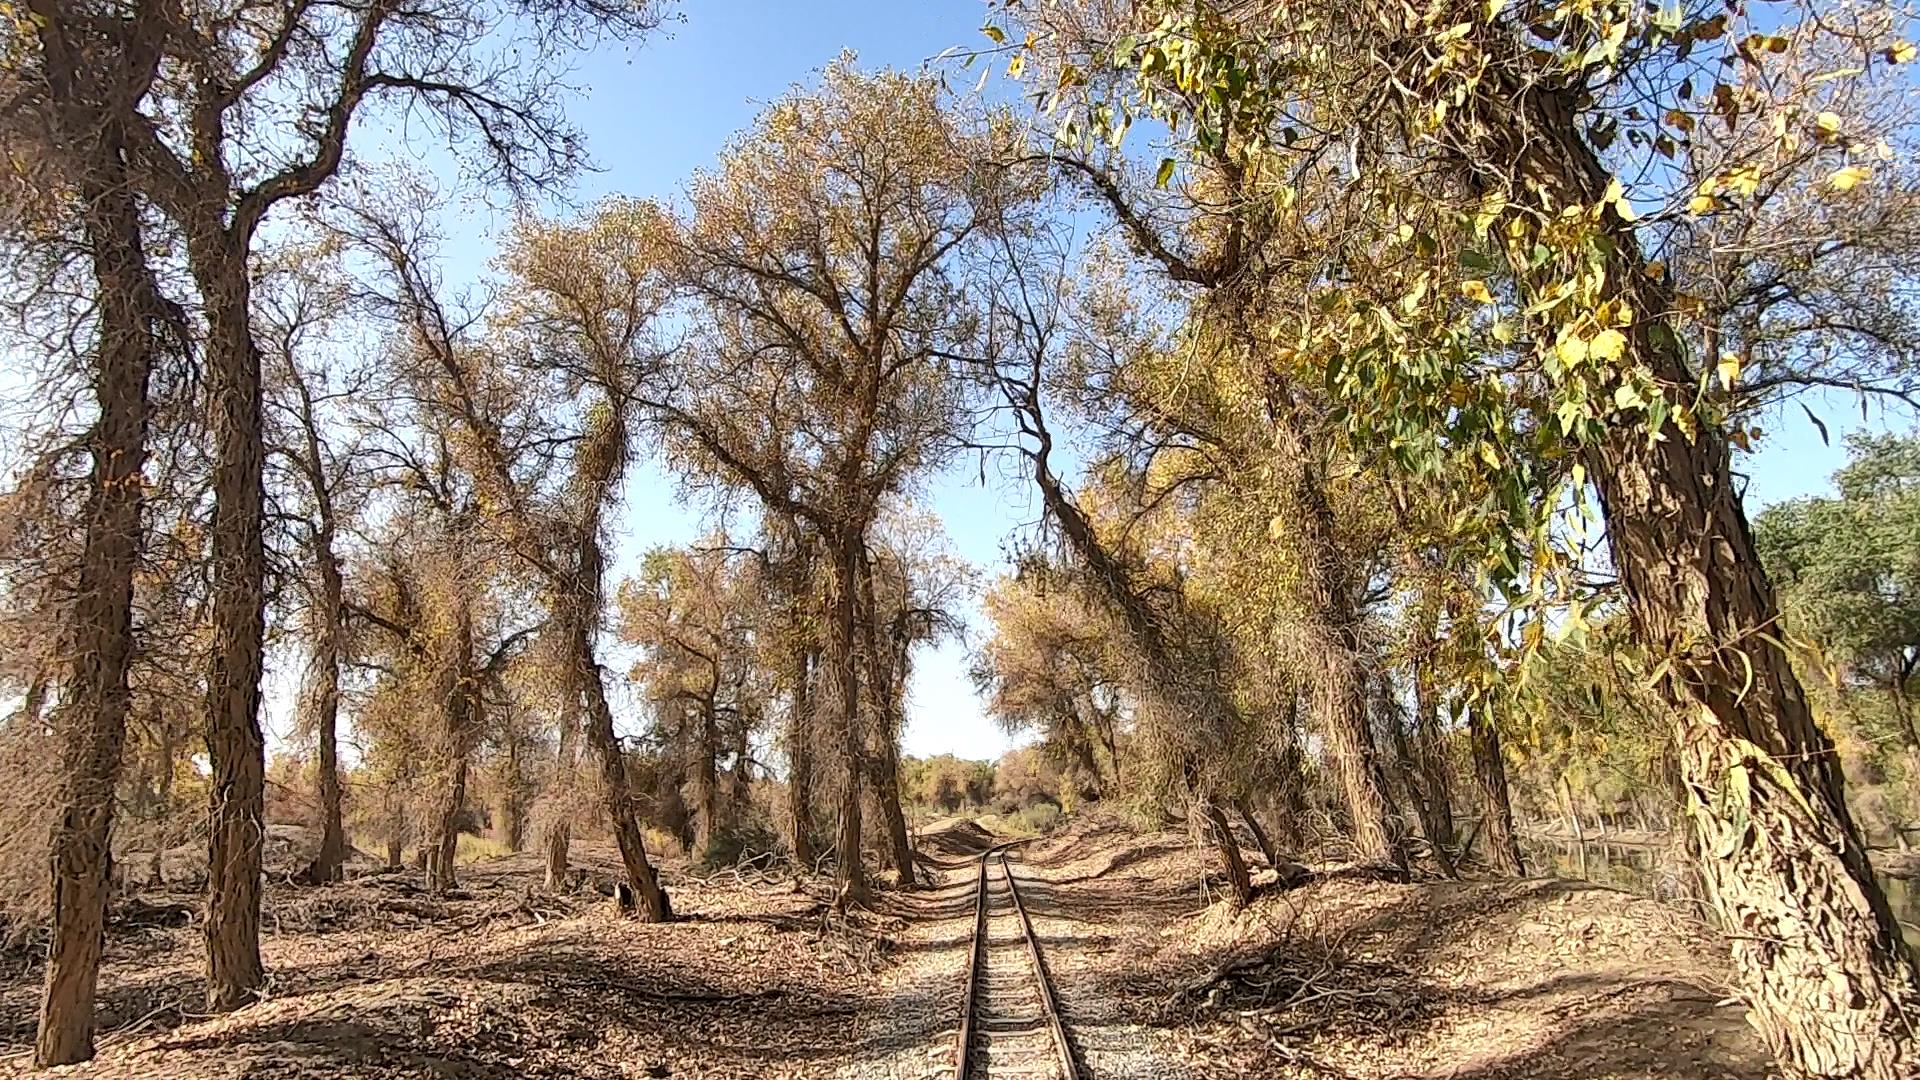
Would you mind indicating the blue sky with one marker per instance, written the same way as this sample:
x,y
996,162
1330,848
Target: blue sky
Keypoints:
x,y
655,113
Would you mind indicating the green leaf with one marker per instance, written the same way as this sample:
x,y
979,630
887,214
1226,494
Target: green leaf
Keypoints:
x,y
998,35
1165,173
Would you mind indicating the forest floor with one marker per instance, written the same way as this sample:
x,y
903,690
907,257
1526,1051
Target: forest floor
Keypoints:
x,y
1344,976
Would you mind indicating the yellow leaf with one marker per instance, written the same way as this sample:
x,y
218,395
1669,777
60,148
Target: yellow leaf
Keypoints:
x,y
1476,291
1489,455
1828,125
1656,270
1848,178
1607,345
1900,52
1494,7
1701,204
1729,369
1572,349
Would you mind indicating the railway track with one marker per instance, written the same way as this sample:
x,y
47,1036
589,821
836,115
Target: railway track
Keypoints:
x,y
1011,1027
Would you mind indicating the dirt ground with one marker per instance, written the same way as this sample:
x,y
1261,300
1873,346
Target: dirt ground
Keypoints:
x,y
1344,976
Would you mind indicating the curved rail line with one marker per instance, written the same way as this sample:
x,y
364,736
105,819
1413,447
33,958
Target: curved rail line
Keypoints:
x,y
1011,1023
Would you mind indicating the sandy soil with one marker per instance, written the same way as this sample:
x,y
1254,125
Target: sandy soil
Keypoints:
x,y
1348,976
1341,977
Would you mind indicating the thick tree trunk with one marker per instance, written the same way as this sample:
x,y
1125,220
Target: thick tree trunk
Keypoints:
x,y
1490,773
654,904
1830,984
445,840
1340,686
510,808
740,777
838,657
1239,881
886,790
883,666
92,715
800,763
236,754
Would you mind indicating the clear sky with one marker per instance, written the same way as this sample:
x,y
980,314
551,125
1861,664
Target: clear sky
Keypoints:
x,y
655,113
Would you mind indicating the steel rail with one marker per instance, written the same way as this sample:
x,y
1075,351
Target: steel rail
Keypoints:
x,y
1050,1009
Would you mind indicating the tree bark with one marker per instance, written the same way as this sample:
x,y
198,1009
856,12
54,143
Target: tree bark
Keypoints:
x,y
1831,986
235,751
1238,879
882,675
1412,778
1431,760
800,762
706,779
1490,772
93,712
1260,838
559,816
326,864
591,563
329,644
843,688
445,842
1340,690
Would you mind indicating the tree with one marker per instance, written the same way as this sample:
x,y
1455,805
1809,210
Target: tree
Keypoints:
x,y
820,267
1046,669
1441,145
194,149
297,301
1849,568
692,613
80,128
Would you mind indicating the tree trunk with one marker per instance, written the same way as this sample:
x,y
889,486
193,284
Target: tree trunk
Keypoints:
x,y
706,779
510,809
882,674
559,794
235,751
92,717
843,689
1432,761
1260,838
328,647
1490,772
585,603
325,867
1238,880
800,763
445,840
1413,780
1830,984
740,776
886,789
1340,688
